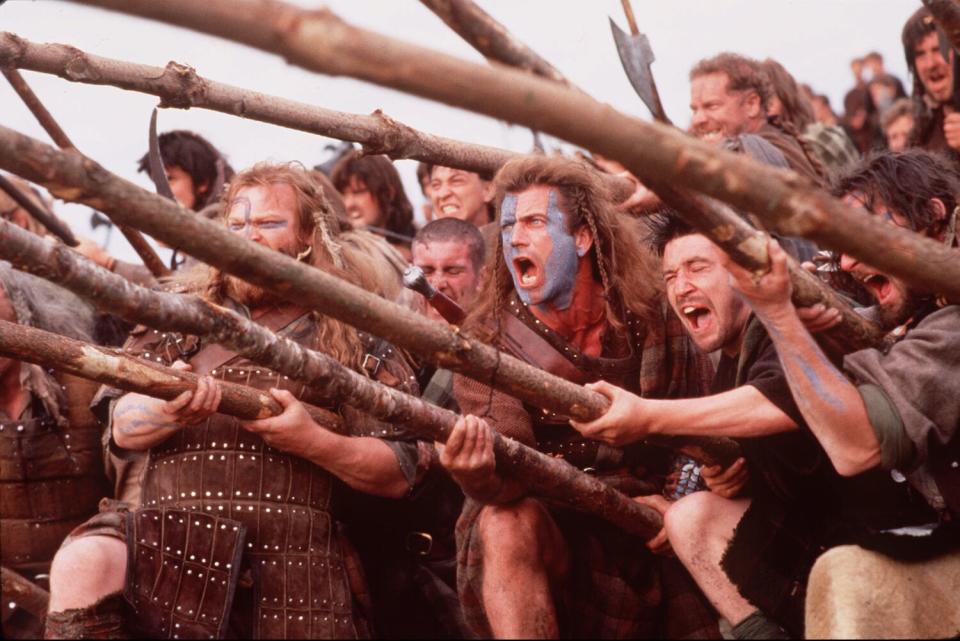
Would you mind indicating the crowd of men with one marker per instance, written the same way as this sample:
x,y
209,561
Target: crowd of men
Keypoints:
x,y
135,516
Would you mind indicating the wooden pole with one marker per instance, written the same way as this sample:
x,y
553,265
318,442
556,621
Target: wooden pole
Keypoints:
x,y
115,368
491,38
56,133
320,41
541,474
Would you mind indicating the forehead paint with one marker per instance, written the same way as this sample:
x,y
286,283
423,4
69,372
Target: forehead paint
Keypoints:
x,y
242,203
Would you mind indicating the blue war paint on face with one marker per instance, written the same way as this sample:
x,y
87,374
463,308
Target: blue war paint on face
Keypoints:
x,y
559,266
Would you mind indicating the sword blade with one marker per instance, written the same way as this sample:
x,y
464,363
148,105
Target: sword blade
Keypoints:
x,y
155,162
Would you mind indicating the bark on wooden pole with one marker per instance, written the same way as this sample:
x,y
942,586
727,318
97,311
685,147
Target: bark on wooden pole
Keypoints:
x,y
20,592
115,368
56,133
73,177
947,15
491,38
53,224
541,474
320,41
179,86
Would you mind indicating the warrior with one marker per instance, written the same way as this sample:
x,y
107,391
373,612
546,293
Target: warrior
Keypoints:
x,y
933,64
750,542
572,290
51,474
238,531
892,408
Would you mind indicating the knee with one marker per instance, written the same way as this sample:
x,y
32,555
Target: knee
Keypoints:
x,y
513,530
94,562
690,515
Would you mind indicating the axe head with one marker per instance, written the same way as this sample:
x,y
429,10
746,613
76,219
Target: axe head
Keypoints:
x,y
155,162
636,57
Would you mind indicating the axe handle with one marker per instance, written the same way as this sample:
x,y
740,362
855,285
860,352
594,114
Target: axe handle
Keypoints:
x,y
631,20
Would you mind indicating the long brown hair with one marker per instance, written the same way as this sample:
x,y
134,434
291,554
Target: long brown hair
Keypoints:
x,y
319,232
379,175
622,261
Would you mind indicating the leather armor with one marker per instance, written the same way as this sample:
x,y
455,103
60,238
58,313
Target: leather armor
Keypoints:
x,y
294,554
51,478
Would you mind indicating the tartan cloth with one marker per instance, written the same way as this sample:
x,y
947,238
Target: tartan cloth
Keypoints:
x,y
831,145
615,588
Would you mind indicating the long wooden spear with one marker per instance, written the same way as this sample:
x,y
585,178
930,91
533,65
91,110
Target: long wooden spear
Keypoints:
x,y
723,226
320,41
542,475
179,86
79,179
121,370
491,38
56,133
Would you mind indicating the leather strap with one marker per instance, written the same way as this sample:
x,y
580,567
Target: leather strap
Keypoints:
x,y
533,348
214,355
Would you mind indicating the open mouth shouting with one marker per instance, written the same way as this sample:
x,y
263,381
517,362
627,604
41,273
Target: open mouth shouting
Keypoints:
x,y
697,317
528,273
449,209
878,285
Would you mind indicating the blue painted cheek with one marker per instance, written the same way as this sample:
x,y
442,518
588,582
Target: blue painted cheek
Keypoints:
x,y
561,264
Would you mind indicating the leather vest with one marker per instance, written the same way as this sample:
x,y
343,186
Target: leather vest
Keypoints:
x,y
525,337
51,478
294,550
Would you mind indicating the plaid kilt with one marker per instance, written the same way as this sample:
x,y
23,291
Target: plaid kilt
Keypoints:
x,y
615,589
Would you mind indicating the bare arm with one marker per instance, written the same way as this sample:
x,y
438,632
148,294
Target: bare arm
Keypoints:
x,y
140,422
741,412
364,463
830,404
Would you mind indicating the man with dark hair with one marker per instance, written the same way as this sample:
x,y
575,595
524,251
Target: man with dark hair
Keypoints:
x,y
893,408
457,193
897,124
572,291
729,95
748,545
933,63
375,198
194,168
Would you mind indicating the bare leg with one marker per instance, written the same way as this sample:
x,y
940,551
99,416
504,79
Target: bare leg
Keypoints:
x,y
87,570
700,527
523,554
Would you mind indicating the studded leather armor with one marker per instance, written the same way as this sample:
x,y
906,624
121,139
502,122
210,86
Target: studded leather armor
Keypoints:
x,y
297,561
51,478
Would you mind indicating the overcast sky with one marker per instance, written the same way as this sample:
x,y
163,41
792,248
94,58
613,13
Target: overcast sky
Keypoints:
x,y
814,39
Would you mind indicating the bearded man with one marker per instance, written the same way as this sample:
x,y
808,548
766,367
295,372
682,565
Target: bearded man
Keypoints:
x,y
893,408
933,64
572,291
51,472
238,532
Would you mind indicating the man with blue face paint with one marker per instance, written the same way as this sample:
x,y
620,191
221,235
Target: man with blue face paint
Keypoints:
x,y
559,296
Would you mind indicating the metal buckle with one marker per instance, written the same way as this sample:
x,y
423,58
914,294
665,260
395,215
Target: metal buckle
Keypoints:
x,y
371,369
419,543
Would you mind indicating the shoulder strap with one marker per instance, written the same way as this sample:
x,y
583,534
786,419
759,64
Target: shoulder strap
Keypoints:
x,y
213,355
528,345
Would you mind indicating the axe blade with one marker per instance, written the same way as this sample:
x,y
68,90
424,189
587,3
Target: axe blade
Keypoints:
x,y
636,56
155,162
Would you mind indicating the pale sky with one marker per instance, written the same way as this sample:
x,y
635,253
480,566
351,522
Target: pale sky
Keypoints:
x,y
814,39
